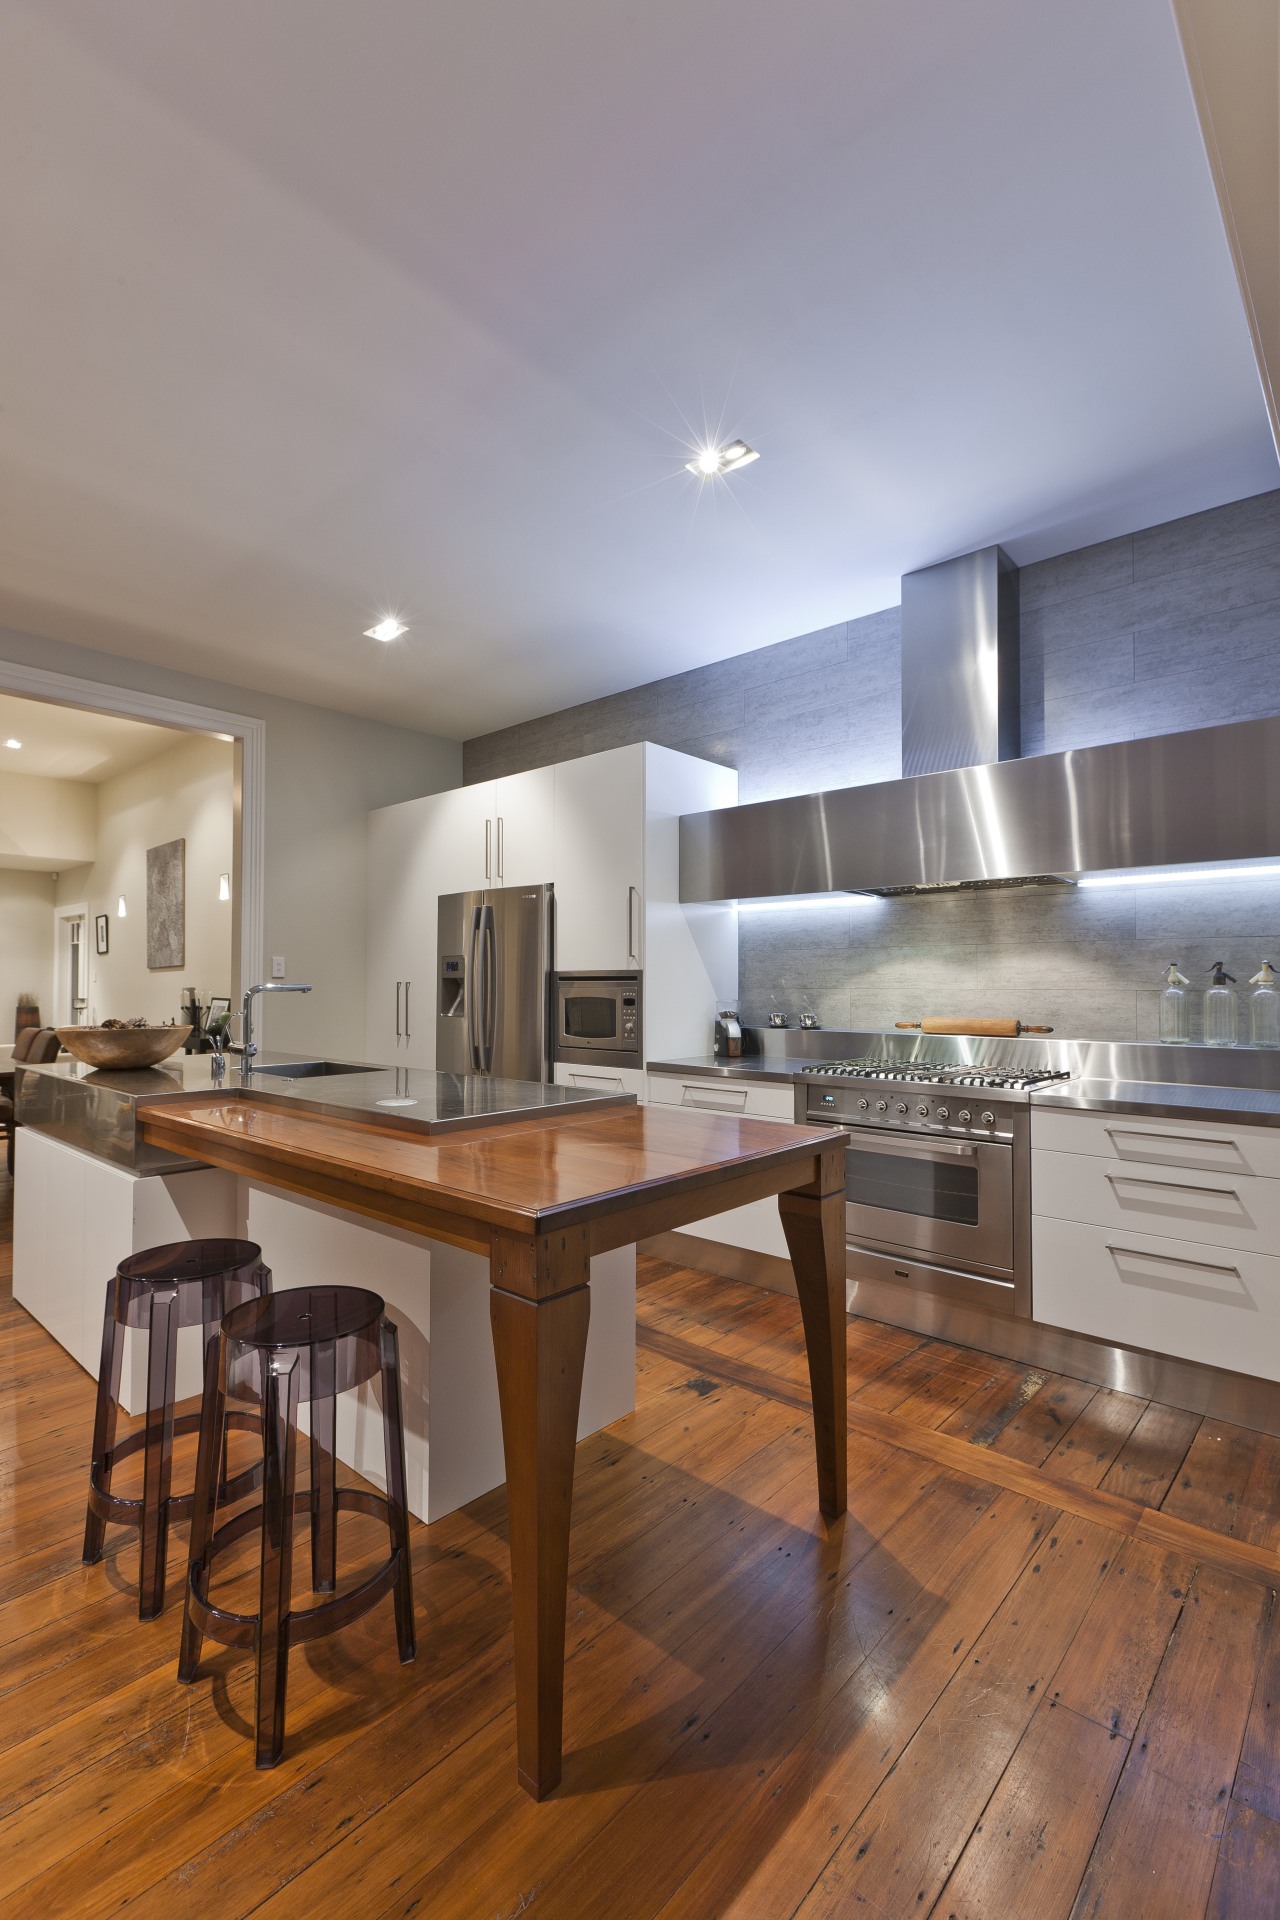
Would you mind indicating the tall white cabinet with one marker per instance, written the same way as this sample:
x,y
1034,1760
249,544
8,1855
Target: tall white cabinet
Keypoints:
x,y
604,829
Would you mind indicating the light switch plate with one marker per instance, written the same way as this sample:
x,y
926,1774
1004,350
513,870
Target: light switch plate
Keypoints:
x,y
277,966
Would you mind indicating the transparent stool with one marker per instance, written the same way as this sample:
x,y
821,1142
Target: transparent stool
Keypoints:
x,y
303,1346
190,1283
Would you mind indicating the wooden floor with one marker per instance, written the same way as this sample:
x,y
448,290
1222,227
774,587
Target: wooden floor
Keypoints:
x,y
1035,1672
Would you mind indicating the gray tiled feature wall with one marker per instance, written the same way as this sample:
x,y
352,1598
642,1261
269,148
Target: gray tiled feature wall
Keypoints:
x,y
1177,626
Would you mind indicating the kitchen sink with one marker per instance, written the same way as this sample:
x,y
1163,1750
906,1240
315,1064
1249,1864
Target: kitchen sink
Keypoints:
x,y
306,1069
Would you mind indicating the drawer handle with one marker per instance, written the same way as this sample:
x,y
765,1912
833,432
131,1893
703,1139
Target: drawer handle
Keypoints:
x,y
1173,1139
1171,1186
732,1100
1172,1260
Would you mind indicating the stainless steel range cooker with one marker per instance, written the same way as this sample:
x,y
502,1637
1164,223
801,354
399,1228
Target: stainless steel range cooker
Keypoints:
x,y
937,1174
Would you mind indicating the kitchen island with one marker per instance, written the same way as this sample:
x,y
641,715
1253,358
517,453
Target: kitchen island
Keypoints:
x,y
91,1188
539,1196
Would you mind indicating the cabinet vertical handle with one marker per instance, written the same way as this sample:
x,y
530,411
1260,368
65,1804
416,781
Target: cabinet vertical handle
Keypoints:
x,y
407,1033
399,984
488,849
499,846
633,900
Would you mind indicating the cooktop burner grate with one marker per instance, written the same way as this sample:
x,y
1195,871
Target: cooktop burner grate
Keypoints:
x,y
938,1073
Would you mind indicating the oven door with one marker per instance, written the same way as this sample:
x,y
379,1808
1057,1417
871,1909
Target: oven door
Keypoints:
x,y
948,1202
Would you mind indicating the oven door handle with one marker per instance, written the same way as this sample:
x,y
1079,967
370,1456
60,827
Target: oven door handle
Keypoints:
x,y
910,1149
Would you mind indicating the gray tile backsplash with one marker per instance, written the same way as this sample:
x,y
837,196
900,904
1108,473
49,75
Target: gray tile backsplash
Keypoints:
x,y
1177,626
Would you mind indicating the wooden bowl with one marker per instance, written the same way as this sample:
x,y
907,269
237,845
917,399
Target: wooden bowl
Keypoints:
x,y
123,1046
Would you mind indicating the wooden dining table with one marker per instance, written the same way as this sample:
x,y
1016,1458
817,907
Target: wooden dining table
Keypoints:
x,y
540,1197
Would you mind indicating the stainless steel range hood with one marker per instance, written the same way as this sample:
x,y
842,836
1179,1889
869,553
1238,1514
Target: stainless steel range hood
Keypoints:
x,y
971,814
1208,795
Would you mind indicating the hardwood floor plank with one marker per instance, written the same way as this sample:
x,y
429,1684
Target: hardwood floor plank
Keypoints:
x,y
1096,1438
894,1863
1110,1667
1038,1427
1147,1464
1029,1850
1246,1879
1158,1847
788,1819
982,1419
1257,1781
1213,1477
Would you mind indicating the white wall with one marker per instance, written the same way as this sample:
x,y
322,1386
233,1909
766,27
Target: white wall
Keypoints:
x,y
324,772
184,794
45,824
26,944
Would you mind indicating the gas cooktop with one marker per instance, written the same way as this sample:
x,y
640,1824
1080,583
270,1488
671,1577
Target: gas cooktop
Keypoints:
x,y
938,1073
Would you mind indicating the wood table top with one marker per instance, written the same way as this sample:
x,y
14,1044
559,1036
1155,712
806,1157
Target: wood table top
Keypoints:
x,y
527,1178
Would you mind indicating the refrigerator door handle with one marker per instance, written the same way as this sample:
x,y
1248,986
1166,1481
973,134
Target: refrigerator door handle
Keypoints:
x,y
473,992
490,944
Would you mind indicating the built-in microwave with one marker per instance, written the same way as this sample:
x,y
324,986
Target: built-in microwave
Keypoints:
x,y
598,1019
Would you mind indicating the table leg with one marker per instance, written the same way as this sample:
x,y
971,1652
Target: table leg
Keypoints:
x,y
813,1221
540,1305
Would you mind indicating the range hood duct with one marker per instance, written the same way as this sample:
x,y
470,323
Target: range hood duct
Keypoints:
x,y
961,691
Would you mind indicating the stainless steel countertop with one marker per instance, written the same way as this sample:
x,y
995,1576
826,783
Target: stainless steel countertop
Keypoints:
x,y
1155,1099
96,1110
1169,1100
755,1067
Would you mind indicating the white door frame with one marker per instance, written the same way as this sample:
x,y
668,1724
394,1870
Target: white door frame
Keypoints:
x,y
250,736
60,981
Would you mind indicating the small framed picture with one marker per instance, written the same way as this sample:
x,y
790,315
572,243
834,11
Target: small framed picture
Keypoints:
x,y
101,932
219,1009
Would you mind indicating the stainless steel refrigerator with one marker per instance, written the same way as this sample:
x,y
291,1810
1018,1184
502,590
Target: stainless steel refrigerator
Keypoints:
x,y
493,968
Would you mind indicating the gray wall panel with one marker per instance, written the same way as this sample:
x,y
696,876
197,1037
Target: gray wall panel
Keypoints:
x,y
1176,626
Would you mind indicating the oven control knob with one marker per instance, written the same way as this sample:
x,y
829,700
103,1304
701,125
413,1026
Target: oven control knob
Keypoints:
x,y
944,1113
863,1105
882,1106
923,1110
902,1106
988,1119
964,1116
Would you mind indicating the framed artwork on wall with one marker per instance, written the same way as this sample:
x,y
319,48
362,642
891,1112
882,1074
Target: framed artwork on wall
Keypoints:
x,y
101,932
166,905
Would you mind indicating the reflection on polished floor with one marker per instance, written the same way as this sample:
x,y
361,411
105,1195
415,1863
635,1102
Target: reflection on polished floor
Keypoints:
x,y
1032,1671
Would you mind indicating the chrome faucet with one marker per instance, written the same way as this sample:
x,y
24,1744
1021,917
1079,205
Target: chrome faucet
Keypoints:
x,y
246,1046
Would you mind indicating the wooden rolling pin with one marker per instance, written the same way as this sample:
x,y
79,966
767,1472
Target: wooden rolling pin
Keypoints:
x,y
985,1029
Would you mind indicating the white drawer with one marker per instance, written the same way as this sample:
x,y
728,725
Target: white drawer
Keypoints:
x,y
1221,1307
1208,1146
601,1079
1215,1209
767,1102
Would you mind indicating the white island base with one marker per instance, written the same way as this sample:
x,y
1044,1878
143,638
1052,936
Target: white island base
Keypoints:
x,y
76,1217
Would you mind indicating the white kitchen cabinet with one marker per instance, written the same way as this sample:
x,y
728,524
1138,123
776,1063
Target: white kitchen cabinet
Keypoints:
x,y
1207,1146
599,861
605,830
524,828
1214,1209
77,1217
1218,1305
400,938
601,1079
721,1094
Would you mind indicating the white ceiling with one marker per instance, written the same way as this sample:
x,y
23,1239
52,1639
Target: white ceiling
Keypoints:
x,y
68,743
309,309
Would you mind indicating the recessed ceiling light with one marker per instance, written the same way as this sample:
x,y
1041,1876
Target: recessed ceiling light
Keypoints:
x,y
15,744
710,461
388,628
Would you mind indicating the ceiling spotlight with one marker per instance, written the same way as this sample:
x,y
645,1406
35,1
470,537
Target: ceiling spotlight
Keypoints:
x,y
388,628
711,461
14,744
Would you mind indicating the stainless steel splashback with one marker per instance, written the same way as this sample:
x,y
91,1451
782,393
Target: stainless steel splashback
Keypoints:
x,y
1212,794
1255,1067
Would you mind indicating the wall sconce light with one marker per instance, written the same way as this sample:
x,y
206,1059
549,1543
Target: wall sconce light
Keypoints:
x,y
224,886
120,908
